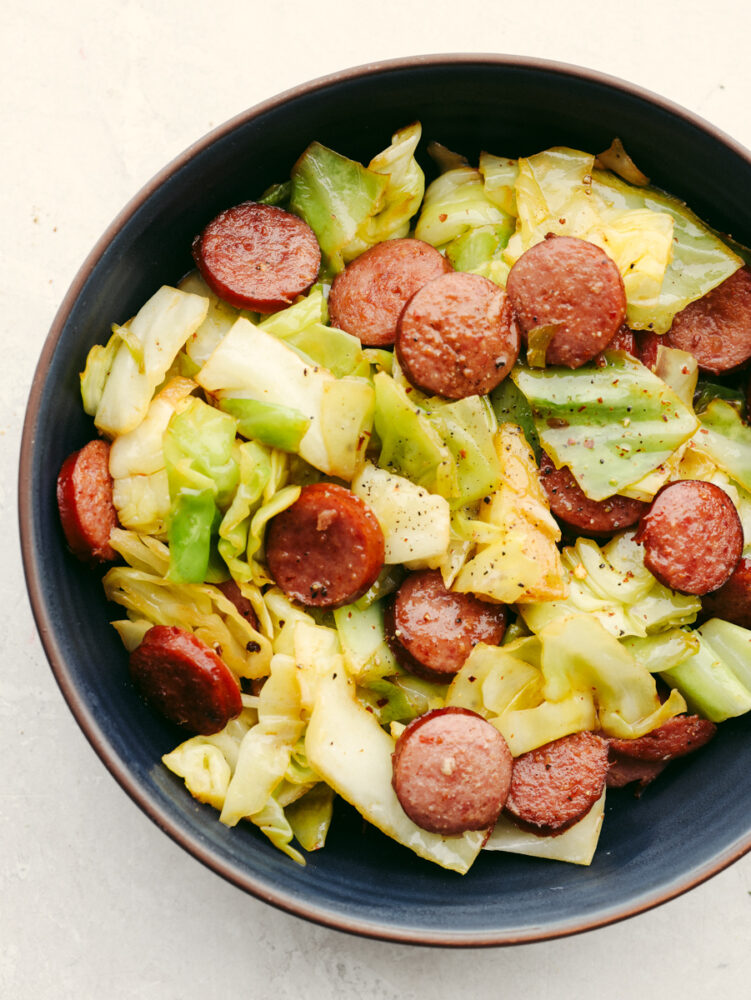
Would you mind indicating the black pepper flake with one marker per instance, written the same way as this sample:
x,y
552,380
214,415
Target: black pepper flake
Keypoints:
x,y
253,646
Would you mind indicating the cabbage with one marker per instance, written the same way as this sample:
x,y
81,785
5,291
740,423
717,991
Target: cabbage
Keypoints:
x,y
455,203
612,584
349,207
732,644
573,676
467,426
202,471
726,440
415,523
310,816
517,560
219,318
363,641
251,363
576,845
499,176
262,474
266,748
159,330
410,444
347,747
709,683
303,327
611,426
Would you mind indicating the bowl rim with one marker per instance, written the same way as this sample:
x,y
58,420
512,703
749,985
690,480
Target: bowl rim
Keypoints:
x,y
253,884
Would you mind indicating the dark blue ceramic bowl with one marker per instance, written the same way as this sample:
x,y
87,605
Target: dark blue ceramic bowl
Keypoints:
x,y
695,821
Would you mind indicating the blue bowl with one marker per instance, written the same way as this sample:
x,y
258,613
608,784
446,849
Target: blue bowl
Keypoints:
x,y
692,823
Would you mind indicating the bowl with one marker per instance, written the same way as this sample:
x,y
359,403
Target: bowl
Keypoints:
x,y
694,822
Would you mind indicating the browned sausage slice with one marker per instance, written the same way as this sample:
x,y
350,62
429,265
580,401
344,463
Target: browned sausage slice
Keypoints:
x,y
624,771
451,771
572,285
555,785
431,630
733,600
84,499
233,593
457,337
185,680
257,257
716,328
624,340
368,296
692,536
675,738
576,511
327,548
648,345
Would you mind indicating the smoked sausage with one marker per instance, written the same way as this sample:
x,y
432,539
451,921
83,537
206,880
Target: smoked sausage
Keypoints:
x,y
716,328
233,593
326,549
570,504
573,286
257,256
677,737
624,771
555,785
733,600
451,771
431,630
692,536
368,296
456,337
185,680
84,499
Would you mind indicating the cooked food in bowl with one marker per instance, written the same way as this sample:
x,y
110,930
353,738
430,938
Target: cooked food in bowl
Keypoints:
x,y
413,496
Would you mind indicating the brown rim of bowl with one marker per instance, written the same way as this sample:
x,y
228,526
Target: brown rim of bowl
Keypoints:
x,y
232,873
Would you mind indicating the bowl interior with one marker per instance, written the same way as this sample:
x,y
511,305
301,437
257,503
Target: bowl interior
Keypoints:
x,y
694,821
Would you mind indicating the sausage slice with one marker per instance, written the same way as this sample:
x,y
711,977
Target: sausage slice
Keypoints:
x,y
185,680
431,630
624,771
451,771
716,328
573,285
692,536
327,548
457,337
555,785
84,499
368,296
733,600
576,511
233,593
675,738
257,257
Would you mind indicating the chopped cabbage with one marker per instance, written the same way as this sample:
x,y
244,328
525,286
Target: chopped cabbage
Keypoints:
x,y
160,329
576,845
350,207
415,523
457,203
251,363
518,560
611,426
612,584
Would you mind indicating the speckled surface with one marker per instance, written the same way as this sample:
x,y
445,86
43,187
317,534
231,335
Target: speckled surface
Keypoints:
x,y
94,900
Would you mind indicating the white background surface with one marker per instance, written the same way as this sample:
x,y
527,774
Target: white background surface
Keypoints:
x,y
94,901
